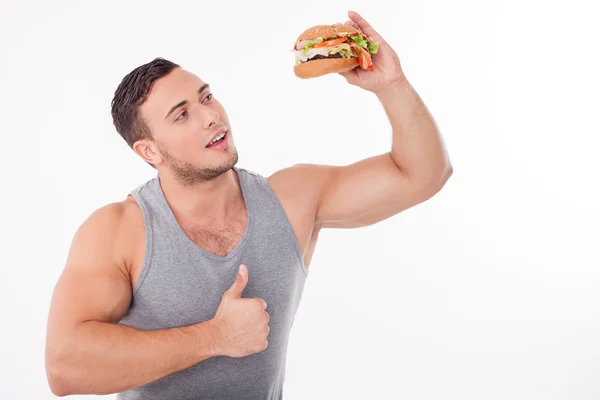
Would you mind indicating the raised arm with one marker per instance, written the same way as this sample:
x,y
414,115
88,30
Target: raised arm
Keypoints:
x,y
378,187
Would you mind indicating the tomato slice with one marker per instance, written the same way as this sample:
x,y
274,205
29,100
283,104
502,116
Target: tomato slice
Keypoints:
x,y
364,58
367,62
331,42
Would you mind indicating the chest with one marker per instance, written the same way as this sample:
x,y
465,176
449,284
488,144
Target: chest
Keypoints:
x,y
182,286
218,240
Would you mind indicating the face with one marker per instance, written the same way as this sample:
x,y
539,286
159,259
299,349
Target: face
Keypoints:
x,y
184,116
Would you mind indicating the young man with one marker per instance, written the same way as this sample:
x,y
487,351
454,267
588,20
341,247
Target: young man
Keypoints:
x,y
188,288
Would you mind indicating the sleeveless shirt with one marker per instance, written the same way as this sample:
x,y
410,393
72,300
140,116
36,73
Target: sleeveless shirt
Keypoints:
x,y
181,284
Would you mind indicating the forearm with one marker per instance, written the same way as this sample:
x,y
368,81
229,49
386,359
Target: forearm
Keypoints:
x,y
103,358
417,146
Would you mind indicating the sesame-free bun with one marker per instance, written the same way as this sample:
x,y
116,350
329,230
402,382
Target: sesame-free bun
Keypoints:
x,y
314,68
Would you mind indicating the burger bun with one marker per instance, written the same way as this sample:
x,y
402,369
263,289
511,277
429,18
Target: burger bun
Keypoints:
x,y
323,66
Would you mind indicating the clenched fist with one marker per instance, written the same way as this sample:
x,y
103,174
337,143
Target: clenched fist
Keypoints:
x,y
241,324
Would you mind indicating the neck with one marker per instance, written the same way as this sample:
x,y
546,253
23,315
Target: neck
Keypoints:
x,y
210,202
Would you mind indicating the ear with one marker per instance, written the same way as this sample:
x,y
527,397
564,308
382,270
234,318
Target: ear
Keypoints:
x,y
148,150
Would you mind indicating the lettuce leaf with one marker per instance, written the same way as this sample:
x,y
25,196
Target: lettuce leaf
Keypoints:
x,y
359,40
310,45
344,49
307,48
347,53
373,47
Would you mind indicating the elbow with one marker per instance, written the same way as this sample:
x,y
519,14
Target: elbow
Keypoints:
x,y
442,177
446,175
441,180
57,380
59,372
435,182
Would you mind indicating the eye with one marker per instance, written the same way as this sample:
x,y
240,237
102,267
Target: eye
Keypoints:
x,y
209,97
181,115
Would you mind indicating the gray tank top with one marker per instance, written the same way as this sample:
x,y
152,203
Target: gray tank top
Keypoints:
x,y
182,284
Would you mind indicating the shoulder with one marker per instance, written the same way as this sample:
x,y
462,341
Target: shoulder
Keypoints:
x,y
112,232
299,181
112,218
301,187
302,178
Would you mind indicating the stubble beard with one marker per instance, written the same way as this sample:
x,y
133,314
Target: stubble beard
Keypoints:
x,y
190,175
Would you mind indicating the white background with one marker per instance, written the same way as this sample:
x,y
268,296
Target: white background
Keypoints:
x,y
490,290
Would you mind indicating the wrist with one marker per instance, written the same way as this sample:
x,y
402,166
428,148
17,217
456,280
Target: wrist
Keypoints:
x,y
210,335
393,89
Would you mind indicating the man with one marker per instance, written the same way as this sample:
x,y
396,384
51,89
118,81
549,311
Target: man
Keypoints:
x,y
188,288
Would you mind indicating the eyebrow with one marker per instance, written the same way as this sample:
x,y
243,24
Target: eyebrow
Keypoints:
x,y
184,102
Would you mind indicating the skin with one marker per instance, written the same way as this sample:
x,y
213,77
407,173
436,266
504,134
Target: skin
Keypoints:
x,y
88,352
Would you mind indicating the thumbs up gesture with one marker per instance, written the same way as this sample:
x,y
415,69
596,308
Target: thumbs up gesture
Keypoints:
x,y
241,323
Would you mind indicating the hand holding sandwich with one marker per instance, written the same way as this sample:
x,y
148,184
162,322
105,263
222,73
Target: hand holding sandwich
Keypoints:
x,y
386,68
354,50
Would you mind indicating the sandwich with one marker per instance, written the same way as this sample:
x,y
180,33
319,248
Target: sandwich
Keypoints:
x,y
325,49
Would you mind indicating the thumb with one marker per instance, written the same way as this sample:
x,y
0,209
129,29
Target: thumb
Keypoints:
x,y
240,283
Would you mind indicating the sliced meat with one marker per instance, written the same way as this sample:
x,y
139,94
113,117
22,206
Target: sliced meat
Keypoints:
x,y
321,57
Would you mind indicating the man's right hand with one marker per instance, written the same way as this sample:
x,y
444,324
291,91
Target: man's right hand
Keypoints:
x,y
241,324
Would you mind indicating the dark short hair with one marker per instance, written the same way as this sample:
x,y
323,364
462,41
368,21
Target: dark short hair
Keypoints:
x,y
131,93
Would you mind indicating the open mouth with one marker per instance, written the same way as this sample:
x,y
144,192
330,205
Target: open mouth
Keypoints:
x,y
219,139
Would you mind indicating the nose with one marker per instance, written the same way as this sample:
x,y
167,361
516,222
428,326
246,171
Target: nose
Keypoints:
x,y
211,117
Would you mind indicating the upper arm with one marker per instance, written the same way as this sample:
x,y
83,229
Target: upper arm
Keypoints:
x,y
366,192
94,284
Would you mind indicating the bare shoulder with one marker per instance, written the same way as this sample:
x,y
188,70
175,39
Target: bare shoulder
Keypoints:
x,y
111,232
301,183
95,283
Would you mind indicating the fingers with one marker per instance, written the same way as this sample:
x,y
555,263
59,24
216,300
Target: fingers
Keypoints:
x,y
352,24
351,76
355,26
364,26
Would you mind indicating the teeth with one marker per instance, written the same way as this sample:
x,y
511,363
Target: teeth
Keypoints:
x,y
221,136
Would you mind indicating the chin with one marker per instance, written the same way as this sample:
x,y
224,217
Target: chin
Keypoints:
x,y
228,160
205,169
